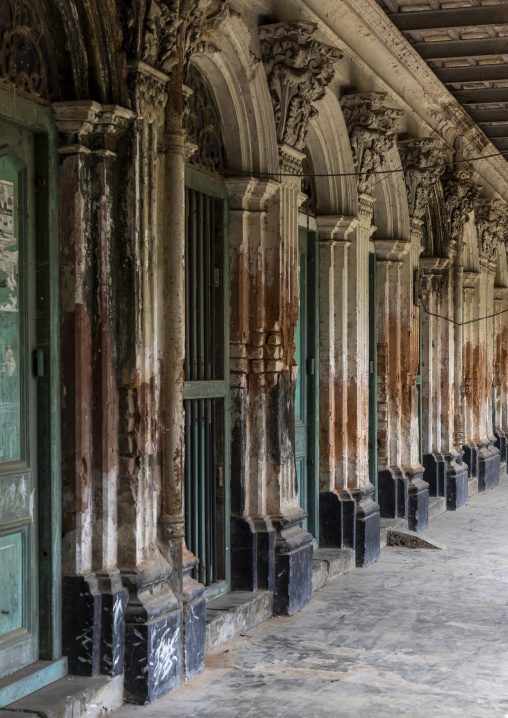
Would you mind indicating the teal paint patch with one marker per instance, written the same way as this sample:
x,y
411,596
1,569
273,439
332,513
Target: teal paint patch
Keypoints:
x,y
31,679
10,376
11,580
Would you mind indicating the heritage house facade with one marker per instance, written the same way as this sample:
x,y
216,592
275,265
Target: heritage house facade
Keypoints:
x,y
254,304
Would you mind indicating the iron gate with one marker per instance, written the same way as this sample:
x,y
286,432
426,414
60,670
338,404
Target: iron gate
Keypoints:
x,y
206,379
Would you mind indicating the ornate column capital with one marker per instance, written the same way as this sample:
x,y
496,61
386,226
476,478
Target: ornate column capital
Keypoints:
x,y
391,250
423,161
88,126
298,69
434,265
491,220
249,194
460,192
335,228
371,127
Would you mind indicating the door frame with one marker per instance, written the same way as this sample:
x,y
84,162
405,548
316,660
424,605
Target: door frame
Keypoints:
x,y
309,224
373,476
201,181
37,117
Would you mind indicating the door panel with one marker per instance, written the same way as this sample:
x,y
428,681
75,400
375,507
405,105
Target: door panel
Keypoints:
x,y
18,397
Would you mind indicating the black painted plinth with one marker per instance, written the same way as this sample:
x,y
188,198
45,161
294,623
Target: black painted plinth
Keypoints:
x,y
113,604
81,624
153,637
252,554
489,467
418,501
337,519
457,482
393,493
368,527
501,444
470,454
434,473
293,565
194,619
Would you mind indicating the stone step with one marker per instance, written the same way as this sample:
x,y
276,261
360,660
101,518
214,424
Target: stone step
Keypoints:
x,y
329,563
391,525
437,506
71,697
234,613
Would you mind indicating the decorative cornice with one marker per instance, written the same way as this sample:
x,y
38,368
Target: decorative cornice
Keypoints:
x,y
335,228
298,70
492,221
89,125
371,127
423,161
460,193
391,250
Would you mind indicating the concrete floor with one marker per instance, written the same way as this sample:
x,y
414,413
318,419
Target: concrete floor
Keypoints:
x,y
421,633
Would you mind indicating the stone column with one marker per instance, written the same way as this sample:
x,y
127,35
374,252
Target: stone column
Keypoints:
x,y
93,595
348,515
298,69
501,373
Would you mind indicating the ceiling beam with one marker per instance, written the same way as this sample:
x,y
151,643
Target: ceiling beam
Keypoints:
x,y
462,48
489,115
483,95
501,145
450,18
497,131
472,73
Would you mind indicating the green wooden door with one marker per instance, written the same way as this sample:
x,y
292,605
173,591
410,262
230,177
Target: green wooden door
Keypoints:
x,y
306,396
18,403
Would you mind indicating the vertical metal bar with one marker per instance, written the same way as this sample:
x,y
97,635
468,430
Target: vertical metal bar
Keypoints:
x,y
201,291
208,277
201,490
193,293
208,480
187,288
194,478
187,474
213,486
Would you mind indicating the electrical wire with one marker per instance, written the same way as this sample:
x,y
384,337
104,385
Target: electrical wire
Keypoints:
x,y
460,324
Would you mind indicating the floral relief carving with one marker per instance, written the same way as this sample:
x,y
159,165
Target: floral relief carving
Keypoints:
x,y
492,221
371,127
460,194
203,125
298,69
22,51
423,161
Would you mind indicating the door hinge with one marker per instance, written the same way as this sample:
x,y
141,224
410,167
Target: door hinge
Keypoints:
x,y
220,476
38,363
371,367
418,380
311,366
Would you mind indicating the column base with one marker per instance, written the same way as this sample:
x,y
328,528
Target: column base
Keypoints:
x,y
252,554
337,520
393,494
81,624
500,444
293,564
194,619
434,473
368,526
153,637
484,463
418,501
457,482
113,604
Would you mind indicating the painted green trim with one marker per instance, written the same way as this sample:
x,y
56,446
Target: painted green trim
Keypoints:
x,y
215,590
204,389
205,182
39,119
373,372
31,679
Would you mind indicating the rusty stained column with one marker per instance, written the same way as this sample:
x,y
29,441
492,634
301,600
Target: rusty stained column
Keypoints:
x,y
348,515
471,306
501,372
154,630
254,353
402,491
94,597
444,470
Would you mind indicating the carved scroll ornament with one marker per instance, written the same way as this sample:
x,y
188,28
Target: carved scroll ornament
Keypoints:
x,y
298,70
460,194
492,222
371,127
423,161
